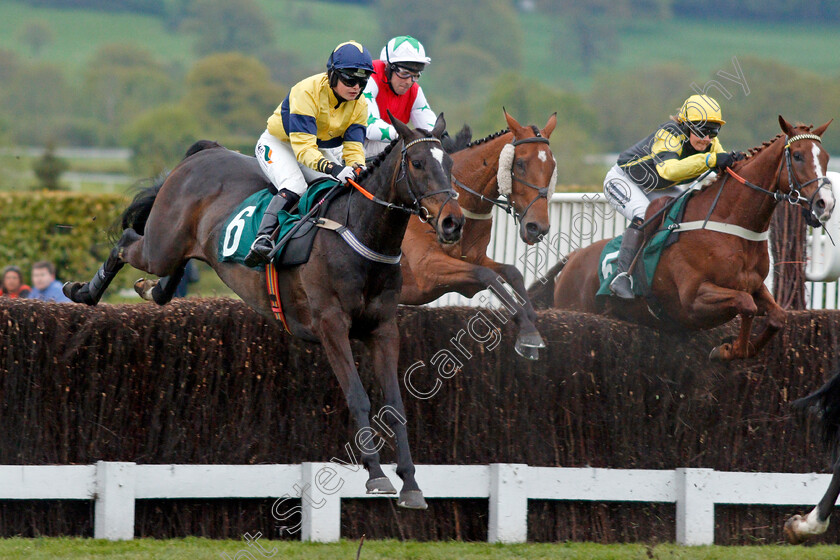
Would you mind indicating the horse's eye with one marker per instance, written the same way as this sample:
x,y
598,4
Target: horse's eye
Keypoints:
x,y
520,163
417,164
797,156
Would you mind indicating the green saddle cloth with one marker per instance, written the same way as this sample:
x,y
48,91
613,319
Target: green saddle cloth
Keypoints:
x,y
650,255
241,228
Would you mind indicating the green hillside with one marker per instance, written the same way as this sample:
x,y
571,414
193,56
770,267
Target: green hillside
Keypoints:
x,y
309,29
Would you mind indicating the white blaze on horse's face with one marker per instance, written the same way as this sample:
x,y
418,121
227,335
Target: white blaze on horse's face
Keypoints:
x,y
437,153
542,156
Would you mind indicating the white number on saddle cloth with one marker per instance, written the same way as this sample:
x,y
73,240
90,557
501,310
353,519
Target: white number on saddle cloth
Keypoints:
x,y
607,264
233,233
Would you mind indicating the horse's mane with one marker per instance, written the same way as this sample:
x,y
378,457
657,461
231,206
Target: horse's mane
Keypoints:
x,y
377,160
752,152
495,135
487,138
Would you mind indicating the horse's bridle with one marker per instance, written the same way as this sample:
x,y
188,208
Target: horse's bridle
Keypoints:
x,y
794,196
505,204
416,208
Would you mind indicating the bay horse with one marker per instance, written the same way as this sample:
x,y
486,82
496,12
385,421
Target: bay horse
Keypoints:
x,y
342,292
709,277
825,405
517,164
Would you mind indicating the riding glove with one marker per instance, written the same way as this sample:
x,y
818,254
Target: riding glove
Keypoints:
x,y
723,160
342,173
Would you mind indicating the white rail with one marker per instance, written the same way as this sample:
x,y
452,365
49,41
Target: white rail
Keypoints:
x,y
319,487
580,219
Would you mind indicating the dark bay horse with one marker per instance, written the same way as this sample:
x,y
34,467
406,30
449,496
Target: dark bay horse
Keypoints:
x,y
519,158
339,294
708,277
825,405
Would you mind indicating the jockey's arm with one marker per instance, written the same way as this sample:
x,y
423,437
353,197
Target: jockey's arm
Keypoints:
x,y
670,167
422,115
377,129
302,128
353,148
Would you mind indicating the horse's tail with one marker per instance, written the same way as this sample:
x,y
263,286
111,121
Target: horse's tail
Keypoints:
x,y
541,292
825,405
135,216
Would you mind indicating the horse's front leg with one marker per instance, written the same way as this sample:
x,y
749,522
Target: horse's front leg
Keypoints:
x,y
384,345
712,300
528,341
799,529
332,328
776,317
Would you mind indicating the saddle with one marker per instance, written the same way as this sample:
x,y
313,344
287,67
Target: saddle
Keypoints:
x,y
297,248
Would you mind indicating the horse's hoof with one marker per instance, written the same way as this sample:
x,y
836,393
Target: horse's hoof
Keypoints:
x,y
143,287
380,485
77,292
530,340
70,289
721,353
790,530
412,499
527,352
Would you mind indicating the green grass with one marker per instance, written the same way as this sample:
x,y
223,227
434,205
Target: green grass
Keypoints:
x,y
310,29
198,549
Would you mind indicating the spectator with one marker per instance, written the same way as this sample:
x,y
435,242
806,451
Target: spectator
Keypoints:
x,y
45,286
12,284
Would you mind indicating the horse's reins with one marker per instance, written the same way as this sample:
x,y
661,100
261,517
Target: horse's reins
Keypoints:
x,y
505,204
417,210
793,197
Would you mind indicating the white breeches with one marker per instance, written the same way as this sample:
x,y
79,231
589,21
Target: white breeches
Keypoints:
x,y
278,162
628,198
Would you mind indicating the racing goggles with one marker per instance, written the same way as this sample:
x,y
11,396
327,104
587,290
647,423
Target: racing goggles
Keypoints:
x,y
404,73
353,77
709,129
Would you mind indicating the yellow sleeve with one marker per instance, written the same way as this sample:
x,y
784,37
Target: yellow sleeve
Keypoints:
x,y
303,111
666,150
353,148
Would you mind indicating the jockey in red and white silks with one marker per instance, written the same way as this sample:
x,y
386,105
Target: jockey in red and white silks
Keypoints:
x,y
393,87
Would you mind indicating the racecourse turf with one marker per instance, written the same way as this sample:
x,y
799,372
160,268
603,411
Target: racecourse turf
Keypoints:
x,y
199,549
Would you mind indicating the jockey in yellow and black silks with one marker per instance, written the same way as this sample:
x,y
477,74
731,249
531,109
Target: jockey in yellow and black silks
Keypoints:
x,y
321,114
677,152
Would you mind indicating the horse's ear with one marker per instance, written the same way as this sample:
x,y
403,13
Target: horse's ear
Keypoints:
x,y
513,125
402,128
549,126
440,127
820,129
787,128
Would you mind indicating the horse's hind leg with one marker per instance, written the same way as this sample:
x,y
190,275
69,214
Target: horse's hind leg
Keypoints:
x,y
160,291
799,529
91,292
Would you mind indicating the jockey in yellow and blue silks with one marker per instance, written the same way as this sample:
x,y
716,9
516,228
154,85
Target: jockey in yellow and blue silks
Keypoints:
x,y
679,151
321,113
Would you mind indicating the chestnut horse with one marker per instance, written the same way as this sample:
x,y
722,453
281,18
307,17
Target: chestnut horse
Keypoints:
x,y
708,277
517,164
342,292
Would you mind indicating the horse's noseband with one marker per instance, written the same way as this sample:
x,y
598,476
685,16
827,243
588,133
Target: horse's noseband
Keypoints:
x,y
542,192
419,210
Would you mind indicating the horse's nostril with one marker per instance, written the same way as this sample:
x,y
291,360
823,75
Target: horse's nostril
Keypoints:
x,y
820,205
532,229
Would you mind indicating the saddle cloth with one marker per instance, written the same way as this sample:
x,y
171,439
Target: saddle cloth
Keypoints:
x,y
646,264
242,226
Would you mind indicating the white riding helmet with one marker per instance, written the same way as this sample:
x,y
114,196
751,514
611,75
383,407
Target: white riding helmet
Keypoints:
x,y
404,49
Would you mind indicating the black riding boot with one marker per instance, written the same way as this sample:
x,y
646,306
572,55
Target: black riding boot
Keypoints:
x,y
263,244
622,284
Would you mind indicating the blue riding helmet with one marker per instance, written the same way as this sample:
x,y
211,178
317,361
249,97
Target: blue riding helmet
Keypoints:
x,y
352,58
